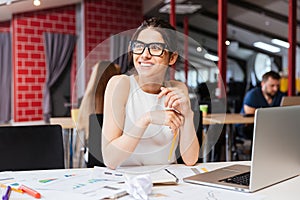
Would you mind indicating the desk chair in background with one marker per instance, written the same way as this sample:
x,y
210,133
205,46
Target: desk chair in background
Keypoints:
x,y
94,141
35,147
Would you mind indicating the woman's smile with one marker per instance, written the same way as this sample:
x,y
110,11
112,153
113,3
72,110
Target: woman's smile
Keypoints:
x,y
146,64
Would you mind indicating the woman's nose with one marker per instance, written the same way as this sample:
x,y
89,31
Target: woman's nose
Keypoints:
x,y
146,53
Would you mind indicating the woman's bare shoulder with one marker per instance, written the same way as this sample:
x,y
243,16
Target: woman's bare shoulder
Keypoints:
x,y
119,81
178,84
118,87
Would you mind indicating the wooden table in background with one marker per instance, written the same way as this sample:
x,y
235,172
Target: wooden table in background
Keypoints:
x,y
65,122
227,119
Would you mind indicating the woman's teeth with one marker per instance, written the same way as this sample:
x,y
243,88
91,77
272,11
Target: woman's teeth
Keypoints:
x,y
146,64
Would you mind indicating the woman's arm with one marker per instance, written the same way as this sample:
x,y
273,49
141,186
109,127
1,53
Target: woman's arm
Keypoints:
x,y
177,97
117,146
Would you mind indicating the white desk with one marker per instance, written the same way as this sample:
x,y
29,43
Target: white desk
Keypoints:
x,y
67,183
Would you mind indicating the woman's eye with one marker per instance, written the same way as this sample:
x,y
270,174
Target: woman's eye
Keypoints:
x,y
139,46
155,47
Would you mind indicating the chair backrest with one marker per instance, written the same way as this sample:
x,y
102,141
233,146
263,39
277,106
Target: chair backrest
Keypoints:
x,y
94,141
31,147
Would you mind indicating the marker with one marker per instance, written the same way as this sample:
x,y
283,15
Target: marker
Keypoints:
x,y
8,178
7,193
13,189
30,191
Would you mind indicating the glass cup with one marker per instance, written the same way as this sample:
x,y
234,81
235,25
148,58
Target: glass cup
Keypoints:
x,y
204,109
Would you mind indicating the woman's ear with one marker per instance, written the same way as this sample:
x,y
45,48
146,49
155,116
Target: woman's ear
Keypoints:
x,y
173,58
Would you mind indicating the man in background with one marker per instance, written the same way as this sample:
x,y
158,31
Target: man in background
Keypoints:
x,y
267,95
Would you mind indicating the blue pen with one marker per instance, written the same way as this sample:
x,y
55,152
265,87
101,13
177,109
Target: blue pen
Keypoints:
x,y
7,193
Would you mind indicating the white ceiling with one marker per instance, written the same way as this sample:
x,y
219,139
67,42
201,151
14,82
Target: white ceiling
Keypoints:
x,y
246,24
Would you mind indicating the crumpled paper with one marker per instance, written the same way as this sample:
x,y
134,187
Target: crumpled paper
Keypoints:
x,y
139,186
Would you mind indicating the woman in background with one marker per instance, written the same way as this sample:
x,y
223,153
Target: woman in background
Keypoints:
x,y
92,103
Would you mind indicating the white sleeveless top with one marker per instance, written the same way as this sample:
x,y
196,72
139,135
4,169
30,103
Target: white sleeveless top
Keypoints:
x,y
154,146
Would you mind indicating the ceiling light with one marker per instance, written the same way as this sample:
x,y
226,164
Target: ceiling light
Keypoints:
x,y
181,8
8,2
266,47
227,42
199,49
36,2
281,43
211,57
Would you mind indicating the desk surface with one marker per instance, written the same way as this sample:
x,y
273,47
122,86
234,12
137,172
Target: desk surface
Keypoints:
x,y
65,122
83,183
227,118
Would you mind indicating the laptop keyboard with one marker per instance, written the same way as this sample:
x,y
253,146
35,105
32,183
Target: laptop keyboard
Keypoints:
x,y
241,179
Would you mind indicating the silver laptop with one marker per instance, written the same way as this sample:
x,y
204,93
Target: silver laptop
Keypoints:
x,y
275,154
290,101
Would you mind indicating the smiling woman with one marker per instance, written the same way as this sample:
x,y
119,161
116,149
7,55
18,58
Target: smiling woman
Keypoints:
x,y
142,112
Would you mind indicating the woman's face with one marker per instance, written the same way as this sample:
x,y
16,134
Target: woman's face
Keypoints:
x,y
147,64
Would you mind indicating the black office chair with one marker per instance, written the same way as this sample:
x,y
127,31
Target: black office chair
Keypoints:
x,y
31,147
94,141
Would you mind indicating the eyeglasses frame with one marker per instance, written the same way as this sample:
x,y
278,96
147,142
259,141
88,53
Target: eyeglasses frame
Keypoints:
x,y
147,46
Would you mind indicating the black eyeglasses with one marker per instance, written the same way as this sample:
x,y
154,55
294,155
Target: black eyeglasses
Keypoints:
x,y
154,48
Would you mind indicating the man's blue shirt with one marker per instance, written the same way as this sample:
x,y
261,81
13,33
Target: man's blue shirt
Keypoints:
x,y
255,98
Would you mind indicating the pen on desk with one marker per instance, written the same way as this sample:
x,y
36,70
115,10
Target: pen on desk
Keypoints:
x,y
13,189
30,191
177,179
172,145
7,193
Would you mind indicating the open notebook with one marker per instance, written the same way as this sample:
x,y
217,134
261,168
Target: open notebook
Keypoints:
x,y
158,174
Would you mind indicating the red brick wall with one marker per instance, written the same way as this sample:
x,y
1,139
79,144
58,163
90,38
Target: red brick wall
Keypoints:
x,y
5,26
29,57
102,19
106,17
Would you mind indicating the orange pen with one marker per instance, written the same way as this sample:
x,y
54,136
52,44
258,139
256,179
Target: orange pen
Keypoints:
x,y
30,191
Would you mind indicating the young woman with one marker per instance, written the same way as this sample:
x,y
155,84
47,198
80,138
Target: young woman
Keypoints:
x,y
144,112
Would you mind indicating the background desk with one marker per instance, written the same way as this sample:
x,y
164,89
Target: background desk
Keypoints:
x,y
68,125
68,188
227,119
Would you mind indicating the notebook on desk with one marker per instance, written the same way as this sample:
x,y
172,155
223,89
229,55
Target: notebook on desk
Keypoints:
x,y
275,154
158,174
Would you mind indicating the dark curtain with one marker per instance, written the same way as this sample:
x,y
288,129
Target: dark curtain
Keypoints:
x,y
58,50
5,77
119,51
